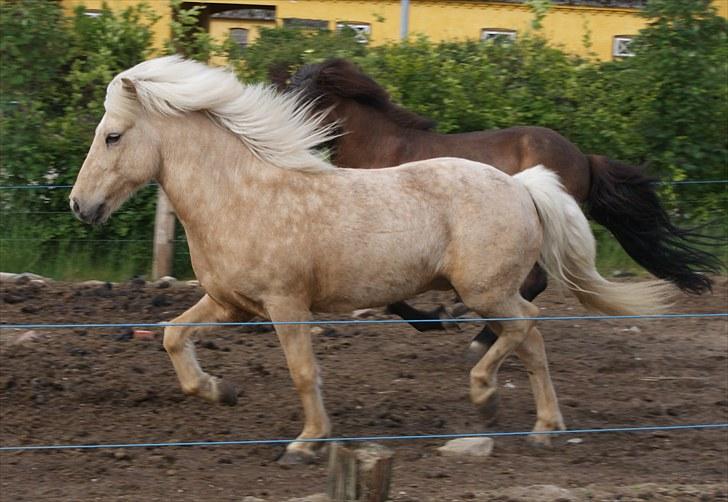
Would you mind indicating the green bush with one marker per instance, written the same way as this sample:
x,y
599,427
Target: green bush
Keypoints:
x,y
55,72
666,107
284,49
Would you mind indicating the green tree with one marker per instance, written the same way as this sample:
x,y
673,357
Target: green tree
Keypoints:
x,y
682,58
286,50
55,72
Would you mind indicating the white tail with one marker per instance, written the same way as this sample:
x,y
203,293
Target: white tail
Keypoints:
x,y
569,250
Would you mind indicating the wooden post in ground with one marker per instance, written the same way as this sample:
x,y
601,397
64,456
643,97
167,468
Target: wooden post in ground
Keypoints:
x,y
359,475
164,220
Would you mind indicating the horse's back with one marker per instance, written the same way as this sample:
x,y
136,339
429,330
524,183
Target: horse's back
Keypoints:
x,y
483,206
515,149
410,227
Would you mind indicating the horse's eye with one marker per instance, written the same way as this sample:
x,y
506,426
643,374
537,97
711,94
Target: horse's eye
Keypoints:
x,y
112,138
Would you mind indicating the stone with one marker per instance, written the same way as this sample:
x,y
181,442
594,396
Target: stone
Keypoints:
x,y
540,493
26,337
7,277
316,497
91,284
30,276
632,329
166,282
478,447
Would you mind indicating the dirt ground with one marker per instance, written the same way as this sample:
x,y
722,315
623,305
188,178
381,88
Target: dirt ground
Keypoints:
x,y
87,386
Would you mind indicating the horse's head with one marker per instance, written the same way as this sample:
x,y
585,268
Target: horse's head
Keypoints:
x,y
336,83
124,155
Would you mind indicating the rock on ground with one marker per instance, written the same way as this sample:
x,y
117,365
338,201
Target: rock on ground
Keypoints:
x,y
470,447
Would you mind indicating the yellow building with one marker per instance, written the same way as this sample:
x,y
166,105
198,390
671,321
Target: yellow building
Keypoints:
x,y
607,24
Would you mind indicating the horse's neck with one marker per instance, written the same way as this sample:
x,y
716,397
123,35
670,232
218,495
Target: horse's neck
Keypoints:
x,y
371,139
204,166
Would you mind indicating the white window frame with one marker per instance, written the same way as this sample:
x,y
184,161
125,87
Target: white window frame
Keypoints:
x,y
363,30
620,46
497,34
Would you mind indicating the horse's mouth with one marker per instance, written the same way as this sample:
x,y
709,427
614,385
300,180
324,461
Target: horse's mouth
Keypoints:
x,y
94,215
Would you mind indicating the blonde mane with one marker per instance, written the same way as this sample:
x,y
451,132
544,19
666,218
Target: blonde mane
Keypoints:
x,y
280,129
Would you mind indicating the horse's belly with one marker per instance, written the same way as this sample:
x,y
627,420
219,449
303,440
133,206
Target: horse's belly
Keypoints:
x,y
376,280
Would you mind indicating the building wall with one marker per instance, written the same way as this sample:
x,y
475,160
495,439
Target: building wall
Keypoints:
x,y
161,7
564,26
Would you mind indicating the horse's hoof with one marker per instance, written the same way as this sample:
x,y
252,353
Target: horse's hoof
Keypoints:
x,y
228,395
475,352
448,321
296,457
539,440
489,410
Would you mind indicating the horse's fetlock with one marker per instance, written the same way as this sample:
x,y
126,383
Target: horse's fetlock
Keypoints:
x,y
191,389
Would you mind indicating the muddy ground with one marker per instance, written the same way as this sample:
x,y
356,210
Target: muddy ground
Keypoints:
x,y
87,386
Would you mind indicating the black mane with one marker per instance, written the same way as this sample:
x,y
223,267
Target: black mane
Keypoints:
x,y
340,78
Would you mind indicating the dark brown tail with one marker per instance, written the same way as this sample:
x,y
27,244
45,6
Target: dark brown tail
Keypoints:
x,y
624,200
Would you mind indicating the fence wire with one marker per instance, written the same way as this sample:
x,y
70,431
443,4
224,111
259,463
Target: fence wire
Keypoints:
x,y
275,441
353,439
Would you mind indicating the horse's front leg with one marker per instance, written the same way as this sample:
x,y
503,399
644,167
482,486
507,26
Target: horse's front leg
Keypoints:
x,y
296,342
181,350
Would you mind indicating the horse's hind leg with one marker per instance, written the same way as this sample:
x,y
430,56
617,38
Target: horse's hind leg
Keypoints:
x,y
534,285
483,376
296,342
407,312
548,415
181,350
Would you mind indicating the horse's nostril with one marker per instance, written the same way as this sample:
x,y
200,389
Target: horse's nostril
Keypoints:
x,y
74,205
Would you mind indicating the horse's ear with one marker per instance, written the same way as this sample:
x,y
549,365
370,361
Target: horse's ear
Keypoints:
x,y
128,85
279,74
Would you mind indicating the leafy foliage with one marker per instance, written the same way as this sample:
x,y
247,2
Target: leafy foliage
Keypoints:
x,y
666,107
286,50
57,69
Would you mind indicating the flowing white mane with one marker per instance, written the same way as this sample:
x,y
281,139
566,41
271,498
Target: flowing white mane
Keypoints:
x,y
276,128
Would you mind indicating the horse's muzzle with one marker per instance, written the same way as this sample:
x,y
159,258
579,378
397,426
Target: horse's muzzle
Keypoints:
x,y
93,215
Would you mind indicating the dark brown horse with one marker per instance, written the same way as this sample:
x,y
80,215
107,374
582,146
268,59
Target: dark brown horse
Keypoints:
x,y
378,133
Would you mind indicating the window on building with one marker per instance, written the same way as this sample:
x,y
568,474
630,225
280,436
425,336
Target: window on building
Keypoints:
x,y
239,36
305,24
497,35
362,31
92,13
259,13
620,47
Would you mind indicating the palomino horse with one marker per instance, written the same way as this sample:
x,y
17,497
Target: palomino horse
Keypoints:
x,y
239,161
377,133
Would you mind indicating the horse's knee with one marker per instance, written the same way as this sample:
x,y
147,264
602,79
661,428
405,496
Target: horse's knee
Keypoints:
x,y
174,339
305,378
